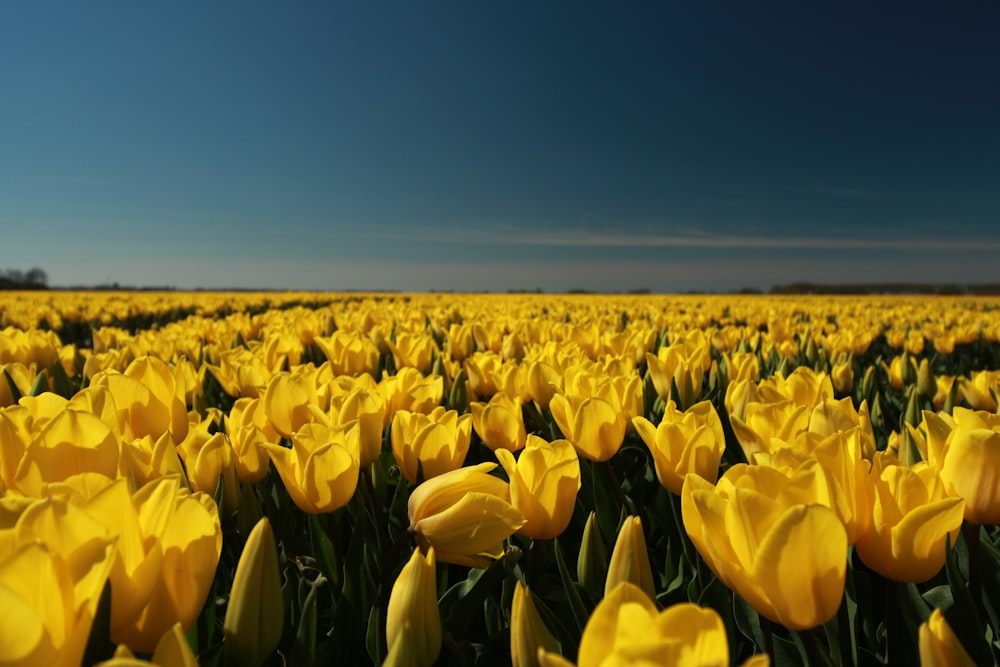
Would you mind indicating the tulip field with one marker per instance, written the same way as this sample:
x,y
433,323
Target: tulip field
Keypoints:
x,y
225,479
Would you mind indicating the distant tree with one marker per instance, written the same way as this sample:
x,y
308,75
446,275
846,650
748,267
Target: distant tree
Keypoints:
x,y
36,277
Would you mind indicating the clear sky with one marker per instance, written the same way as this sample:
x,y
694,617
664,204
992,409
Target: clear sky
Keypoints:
x,y
500,145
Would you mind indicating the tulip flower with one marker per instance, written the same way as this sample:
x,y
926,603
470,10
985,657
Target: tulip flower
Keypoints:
x,y
499,423
409,390
684,442
209,460
969,462
186,526
321,469
528,634
465,515
368,407
939,646
349,353
147,399
765,421
286,402
247,427
413,607
787,560
150,458
544,483
627,628
595,426
255,615
682,365
70,443
49,601
630,559
592,560
413,351
803,386
912,517
439,441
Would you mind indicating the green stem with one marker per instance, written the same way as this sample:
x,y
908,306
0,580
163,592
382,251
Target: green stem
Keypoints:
x,y
972,540
378,520
616,489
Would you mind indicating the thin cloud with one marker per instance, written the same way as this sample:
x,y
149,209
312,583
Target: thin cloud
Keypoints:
x,y
584,238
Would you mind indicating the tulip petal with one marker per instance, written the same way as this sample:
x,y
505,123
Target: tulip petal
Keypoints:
x,y
801,566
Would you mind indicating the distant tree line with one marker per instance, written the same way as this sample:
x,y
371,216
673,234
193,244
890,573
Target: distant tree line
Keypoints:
x,y
34,278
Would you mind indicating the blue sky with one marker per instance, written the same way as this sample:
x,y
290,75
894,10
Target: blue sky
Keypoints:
x,y
494,146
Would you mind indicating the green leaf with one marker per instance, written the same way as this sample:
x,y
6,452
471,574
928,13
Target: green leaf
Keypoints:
x,y
304,647
463,602
41,384
962,615
15,393
580,611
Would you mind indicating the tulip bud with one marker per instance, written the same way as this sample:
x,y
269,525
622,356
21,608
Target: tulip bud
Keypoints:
x,y
458,397
592,562
255,615
939,646
926,384
412,615
630,559
528,633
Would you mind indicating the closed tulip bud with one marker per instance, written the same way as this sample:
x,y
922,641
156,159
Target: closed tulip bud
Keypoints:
x,y
592,561
939,646
788,561
913,516
255,616
630,559
413,609
544,482
465,515
684,442
528,633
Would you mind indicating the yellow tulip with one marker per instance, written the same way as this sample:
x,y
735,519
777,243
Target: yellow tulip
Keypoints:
x,y
627,628
150,458
413,607
682,364
803,386
595,426
939,646
528,634
248,427
787,560
187,528
544,482
764,422
349,353
368,407
70,443
286,402
409,390
147,399
630,559
912,516
500,423
49,602
255,615
969,462
209,461
684,442
439,441
320,470
413,351
465,515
